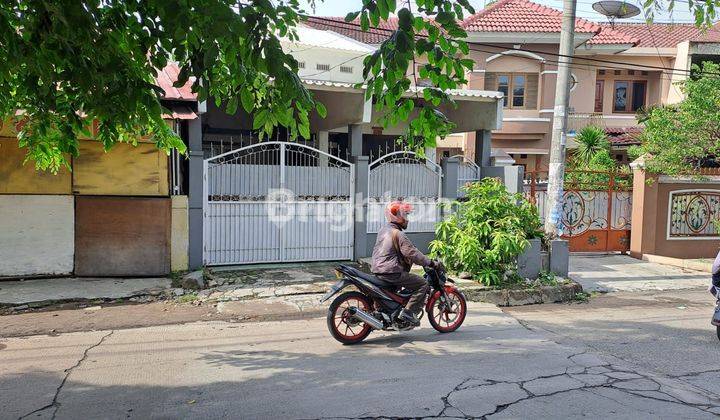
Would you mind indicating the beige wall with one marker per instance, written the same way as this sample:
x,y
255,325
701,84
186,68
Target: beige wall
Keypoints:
x,y
652,93
650,220
36,234
179,239
37,209
124,170
681,65
18,177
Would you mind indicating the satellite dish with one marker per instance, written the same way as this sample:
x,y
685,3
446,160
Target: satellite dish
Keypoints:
x,y
614,9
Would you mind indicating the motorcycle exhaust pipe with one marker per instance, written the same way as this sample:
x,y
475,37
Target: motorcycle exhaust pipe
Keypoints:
x,y
366,318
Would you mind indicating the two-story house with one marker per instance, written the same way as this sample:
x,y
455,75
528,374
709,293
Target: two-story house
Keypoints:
x,y
617,70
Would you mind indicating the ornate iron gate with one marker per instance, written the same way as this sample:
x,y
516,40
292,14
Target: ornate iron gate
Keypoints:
x,y
277,202
404,176
596,210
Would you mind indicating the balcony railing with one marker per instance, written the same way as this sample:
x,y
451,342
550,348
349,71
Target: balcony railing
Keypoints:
x,y
578,120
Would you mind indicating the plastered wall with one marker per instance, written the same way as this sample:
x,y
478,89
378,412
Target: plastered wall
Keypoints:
x,y
37,234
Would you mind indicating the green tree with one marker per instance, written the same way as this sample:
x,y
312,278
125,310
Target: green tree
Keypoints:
x,y
678,138
69,62
590,140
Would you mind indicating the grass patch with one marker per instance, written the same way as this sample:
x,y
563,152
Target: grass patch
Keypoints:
x,y
581,297
190,297
176,278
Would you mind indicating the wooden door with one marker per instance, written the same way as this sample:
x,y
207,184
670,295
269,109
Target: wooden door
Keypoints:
x,y
599,91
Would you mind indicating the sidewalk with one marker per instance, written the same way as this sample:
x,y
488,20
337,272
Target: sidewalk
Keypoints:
x,y
613,273
43,291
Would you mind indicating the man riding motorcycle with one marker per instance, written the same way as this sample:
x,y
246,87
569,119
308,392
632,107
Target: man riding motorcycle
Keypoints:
x,y
393,256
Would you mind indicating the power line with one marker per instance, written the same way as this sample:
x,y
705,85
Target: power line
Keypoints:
x,y
354,27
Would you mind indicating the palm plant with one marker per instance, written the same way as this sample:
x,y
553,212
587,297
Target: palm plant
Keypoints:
x,y
590,140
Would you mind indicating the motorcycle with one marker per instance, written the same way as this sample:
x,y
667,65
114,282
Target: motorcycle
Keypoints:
x,y
716,316
376,304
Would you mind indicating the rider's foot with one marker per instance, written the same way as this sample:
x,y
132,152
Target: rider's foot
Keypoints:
x,y
408,317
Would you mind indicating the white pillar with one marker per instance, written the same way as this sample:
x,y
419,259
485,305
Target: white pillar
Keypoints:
x,y
431,154
324,146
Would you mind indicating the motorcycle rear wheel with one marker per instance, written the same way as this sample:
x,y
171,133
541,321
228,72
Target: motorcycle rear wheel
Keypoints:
x,y
449,319
342,326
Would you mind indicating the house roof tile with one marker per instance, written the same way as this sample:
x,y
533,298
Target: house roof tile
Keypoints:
x,y
165,79
623,136
522,16
611,36
373,36
664,35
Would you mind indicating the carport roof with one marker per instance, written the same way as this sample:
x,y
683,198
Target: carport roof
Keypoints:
x,y
454,93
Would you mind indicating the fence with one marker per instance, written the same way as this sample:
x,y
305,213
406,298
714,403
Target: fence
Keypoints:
x,y
468,171
674,215
596,209
408,177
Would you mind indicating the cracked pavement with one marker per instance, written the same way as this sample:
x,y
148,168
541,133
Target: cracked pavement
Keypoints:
x,y
493,367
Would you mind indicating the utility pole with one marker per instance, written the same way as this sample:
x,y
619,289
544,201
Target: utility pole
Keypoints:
x,y
556,175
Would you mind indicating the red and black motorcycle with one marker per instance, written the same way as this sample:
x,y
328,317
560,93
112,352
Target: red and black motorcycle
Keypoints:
x,y
376,305
716,316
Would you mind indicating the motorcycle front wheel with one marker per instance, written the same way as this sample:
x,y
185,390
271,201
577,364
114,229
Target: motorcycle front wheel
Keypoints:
x,y
342,325
447,317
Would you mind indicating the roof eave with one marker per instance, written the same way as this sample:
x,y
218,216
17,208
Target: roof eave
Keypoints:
x,y
591,49
525,37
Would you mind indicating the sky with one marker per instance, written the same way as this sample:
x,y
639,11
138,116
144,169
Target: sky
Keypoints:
x,y
584,9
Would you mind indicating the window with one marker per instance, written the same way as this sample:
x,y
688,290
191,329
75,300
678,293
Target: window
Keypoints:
x,y
629,96
599,92
346,69
503,86
631,72
518,96
323,67
523,156
301,64
618,72
520,90
619,158
602,72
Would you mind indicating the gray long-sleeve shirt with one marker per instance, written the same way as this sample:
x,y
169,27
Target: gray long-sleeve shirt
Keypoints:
x,y
386,260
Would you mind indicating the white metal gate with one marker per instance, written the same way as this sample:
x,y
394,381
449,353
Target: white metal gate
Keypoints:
x,y
277,202
468,171
404,176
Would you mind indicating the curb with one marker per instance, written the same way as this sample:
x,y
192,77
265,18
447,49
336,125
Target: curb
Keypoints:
x,y
688,264
521,297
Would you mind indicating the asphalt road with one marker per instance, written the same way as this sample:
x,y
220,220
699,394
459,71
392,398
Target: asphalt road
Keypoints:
x,y
668,332
493,367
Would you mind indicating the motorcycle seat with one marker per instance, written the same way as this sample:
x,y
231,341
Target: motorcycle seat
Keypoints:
x,y
369,277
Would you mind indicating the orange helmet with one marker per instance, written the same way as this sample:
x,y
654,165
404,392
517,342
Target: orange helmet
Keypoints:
x,y
397,212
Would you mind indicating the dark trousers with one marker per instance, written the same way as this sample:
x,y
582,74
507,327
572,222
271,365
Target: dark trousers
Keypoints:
x,y
416,284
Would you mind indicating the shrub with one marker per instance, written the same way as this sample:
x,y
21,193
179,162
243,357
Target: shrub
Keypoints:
x,y
590,141
486,232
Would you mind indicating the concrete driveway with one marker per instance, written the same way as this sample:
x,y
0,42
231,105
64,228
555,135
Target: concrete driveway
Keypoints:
x,y
613,273
492,367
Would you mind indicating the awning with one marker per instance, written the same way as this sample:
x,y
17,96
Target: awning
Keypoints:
x,y
180,112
